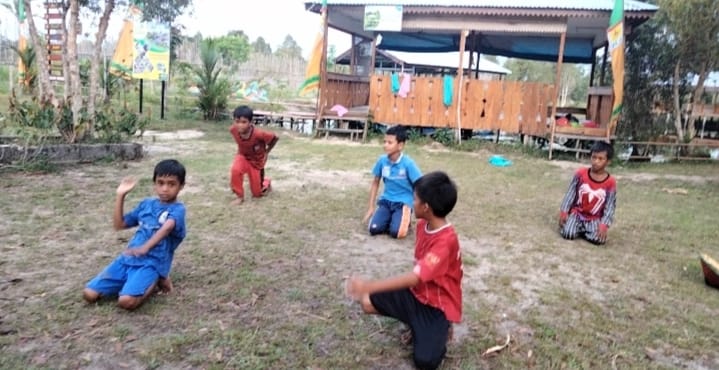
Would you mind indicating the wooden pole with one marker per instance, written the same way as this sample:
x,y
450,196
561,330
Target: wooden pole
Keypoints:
x,y
162,100
557,79
373,56
604,64
460,81
323,67
593,69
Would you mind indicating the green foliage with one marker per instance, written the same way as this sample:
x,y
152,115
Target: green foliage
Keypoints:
x,y
214,87
234,48
28,58
414,135
35,122
289,48
445,136
31,121
260,46
649,66
4,76
115,126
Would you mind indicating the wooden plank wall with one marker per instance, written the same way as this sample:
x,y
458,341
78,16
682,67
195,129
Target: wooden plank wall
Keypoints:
x,y
511,106
423,106
346,90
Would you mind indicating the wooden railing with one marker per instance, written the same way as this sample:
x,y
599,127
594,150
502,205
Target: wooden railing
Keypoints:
x,y
346,90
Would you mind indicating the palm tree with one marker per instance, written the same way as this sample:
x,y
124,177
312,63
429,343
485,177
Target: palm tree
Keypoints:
x,y
214,88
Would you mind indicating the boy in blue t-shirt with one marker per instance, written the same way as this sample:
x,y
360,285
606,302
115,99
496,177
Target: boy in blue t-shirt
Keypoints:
x,y
145,264
398,172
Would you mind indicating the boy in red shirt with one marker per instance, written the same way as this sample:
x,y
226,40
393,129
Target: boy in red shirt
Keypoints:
x,y
253,147
587,209
429,297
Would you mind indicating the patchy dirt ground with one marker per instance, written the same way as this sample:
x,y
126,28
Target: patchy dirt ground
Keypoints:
x,y
260,286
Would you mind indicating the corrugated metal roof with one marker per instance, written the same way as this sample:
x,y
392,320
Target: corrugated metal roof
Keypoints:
x,y
602,5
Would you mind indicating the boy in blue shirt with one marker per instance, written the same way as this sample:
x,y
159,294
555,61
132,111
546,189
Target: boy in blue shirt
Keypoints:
x,y
145,264
398,172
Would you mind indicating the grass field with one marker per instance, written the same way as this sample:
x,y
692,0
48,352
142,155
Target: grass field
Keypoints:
x,y
260,285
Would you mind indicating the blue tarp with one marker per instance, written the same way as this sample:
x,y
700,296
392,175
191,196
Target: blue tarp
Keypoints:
x,y
544,48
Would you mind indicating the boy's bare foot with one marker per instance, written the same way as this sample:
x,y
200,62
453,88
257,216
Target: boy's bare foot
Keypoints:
x,y
237,202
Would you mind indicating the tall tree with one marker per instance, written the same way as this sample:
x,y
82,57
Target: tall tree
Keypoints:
x,y
94,88
45,90
260,46
695,35
234,48
289,48
648,75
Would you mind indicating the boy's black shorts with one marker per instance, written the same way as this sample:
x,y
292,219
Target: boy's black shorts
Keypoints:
x,y
429,326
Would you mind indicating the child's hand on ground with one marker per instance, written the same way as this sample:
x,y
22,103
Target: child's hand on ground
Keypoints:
x,y
165,285
602,233
355,288
367,216
562,219
126,185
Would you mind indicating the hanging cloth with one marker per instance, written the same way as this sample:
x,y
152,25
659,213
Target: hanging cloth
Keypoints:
x,y
405,85
448,90
395,83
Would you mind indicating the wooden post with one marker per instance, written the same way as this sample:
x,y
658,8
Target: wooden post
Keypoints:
x,y
323,68
460,81
604,64
373,55
353,56
560,59
162,101
593,69
141,83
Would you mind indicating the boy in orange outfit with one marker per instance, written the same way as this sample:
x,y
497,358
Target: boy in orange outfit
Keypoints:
x,y
253,148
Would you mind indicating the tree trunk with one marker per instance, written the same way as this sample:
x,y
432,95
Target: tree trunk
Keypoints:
x,y
75,93
677,102
45,90
66,78
696,99
95,64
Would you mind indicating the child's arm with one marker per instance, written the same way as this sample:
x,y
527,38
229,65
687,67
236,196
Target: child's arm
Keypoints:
x,y
156,238
126,185
608,216
569,200
374,188
357,288
271,143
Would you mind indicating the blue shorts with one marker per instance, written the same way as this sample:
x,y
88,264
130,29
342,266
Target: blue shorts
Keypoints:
x,y
122,279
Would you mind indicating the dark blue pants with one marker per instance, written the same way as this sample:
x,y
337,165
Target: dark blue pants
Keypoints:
x,y
391,217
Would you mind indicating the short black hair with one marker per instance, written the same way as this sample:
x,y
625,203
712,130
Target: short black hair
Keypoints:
x,y
602,146
438,191
243,111
400,132
170,167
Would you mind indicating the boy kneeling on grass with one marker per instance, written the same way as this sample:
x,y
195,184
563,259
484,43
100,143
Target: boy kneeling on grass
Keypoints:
x,y
429,297
587,209
145,265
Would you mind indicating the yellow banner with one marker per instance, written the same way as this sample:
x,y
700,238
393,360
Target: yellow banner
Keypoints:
x,y
615,37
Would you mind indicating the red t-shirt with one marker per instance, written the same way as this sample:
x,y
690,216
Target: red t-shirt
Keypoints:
x,y
438,264
254,148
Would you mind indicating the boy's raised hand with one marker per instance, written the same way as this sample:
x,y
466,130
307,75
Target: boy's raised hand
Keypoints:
x,y
126,185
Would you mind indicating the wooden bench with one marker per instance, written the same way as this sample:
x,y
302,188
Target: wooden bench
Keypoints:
x,y
354,133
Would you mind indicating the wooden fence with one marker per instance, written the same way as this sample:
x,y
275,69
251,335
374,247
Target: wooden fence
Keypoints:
x,y
510,106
